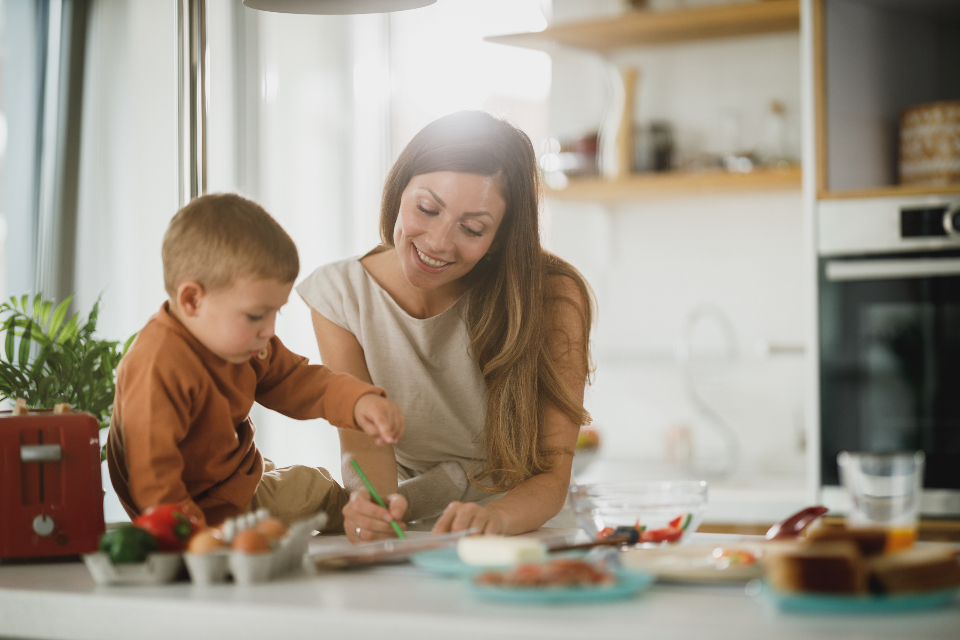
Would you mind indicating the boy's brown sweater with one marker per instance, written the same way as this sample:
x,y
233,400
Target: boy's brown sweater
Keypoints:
x,y
181,430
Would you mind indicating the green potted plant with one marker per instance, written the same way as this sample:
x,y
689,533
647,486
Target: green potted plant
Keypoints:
x,y
48,358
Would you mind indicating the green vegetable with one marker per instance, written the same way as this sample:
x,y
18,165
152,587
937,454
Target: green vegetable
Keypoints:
x,y
686,522
128,544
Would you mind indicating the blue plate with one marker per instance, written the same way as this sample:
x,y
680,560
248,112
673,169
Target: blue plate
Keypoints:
x,y
628,583
860,603
446,562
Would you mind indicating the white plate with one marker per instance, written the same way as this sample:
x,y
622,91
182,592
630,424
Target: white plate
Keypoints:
x,y
694,563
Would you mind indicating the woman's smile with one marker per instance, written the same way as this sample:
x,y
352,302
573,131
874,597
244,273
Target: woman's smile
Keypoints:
x,y
436,265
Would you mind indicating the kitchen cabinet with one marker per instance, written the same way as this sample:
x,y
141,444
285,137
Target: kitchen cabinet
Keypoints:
x,y
873,58
638,29
869,60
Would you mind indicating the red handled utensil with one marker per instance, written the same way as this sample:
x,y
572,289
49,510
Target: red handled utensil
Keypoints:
x,y
792,526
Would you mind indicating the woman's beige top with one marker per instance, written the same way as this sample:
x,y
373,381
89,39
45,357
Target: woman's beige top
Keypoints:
x,y
426,366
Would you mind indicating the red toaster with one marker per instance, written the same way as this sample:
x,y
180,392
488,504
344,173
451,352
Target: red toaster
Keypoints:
x,y
51,496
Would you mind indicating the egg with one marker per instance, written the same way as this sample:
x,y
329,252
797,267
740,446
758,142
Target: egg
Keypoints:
x,y
205,541
272,528
251,541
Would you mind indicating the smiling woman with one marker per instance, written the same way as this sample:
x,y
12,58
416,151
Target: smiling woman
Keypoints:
x,y
478,333
437,243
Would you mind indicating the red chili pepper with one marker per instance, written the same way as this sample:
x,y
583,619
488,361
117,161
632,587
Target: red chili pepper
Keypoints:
x,y
666,534
169,524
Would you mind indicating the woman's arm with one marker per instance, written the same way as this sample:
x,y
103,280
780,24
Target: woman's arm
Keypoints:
x,y
341,352
539,498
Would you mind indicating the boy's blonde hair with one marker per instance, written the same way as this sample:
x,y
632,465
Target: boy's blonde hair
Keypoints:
x,y
219,237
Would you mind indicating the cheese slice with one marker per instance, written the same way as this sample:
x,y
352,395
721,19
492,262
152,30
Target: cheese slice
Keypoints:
x,y
499,551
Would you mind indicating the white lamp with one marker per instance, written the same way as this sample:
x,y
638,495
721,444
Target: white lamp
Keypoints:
x,y
335,7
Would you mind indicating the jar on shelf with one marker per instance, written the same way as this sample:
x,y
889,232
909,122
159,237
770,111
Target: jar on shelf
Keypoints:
x,y
930,143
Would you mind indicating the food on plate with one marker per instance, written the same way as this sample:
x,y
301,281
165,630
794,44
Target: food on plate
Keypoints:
x,y
827,567
561,572
870,541
128,544
916,569
205,541
251,541
731,557
272,528
833,559
499,551
670,533
169,524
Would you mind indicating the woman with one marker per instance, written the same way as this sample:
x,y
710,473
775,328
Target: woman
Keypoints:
x,y
479,334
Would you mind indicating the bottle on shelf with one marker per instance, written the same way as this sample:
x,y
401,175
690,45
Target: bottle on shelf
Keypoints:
x,y
616,133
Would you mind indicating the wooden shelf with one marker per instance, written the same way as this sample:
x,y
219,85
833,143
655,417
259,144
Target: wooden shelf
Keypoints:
x,y
930,530
891,192
640,28
673,183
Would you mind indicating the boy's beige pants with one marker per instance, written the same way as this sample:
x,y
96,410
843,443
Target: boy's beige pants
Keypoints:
x,y
299,492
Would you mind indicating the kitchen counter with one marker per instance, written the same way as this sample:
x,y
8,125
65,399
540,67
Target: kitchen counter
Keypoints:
x,y
403,602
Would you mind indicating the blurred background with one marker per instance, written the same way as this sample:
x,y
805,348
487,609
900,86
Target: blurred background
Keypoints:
x,y
703,309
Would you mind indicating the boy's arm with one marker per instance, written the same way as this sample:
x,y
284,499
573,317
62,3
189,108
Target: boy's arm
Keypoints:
x,y
154,416
288,384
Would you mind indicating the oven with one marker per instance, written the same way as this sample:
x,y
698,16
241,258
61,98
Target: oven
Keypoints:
x,y
889,337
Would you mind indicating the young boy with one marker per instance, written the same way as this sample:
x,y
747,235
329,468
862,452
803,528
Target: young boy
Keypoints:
x,y
181,430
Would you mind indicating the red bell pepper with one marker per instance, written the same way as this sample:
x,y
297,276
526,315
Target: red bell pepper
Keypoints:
x,y
169,524
666,534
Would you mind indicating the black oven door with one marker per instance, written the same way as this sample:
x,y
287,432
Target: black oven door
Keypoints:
x,y
890,359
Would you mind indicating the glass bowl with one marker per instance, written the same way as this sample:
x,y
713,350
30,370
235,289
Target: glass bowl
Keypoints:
x,y
661,512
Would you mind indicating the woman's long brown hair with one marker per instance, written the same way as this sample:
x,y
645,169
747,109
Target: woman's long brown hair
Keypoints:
x,y
510,295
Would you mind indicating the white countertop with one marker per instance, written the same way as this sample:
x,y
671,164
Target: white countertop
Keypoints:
x,y
403,602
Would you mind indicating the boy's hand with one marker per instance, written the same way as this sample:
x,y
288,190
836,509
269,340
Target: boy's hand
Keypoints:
x,y
379,418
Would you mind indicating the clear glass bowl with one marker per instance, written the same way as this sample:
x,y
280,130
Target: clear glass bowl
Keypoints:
x,y
665,512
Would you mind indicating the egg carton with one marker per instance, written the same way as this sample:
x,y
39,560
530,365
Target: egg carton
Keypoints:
x,y
213,567
158,568
251,568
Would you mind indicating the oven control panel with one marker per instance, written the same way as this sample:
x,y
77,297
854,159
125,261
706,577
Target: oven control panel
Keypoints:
x,y
863,226
930,222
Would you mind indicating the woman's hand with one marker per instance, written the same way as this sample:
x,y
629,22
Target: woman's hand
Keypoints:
x,y
379,418
460,516
365,520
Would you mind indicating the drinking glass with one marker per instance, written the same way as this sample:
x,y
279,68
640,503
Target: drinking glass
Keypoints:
x,y
884,490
